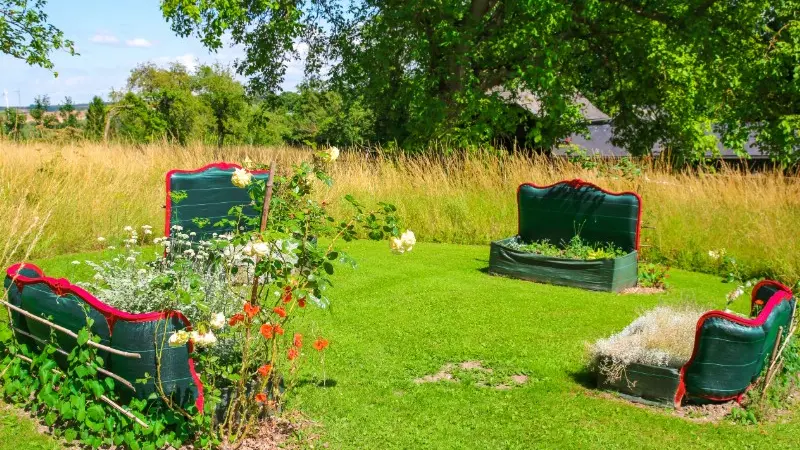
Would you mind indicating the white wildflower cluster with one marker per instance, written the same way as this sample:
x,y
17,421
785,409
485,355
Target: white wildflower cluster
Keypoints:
x,y
716,254
734,294
405,243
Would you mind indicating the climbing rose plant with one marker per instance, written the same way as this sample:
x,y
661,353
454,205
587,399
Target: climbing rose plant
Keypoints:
x,y
276,275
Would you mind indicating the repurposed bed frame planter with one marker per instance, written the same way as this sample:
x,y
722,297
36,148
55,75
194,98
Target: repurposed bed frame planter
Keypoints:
x,y
130,344
559,211
209,195
730,353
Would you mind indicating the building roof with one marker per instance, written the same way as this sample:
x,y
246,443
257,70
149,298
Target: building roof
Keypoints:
x,y
599,144
530,101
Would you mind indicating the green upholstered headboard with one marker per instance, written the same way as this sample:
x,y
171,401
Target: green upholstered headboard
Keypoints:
x,y
730,351
559,211
209,195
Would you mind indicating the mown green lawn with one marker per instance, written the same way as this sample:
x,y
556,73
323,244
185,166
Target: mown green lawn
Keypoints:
x,y
397,318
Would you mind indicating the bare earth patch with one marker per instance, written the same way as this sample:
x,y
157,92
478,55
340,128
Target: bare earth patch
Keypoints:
x,y
280,433
642,291
476,374
715,412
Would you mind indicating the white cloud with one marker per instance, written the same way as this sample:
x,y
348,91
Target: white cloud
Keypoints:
x,y
104,38
188,60
138,42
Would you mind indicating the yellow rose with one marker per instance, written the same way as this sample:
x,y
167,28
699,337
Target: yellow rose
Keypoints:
x,y
241,178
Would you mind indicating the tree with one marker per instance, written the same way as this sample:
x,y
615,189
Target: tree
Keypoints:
x,y
41,103
168,92
25,33
69,118
668,71
96,118
12,123
225,98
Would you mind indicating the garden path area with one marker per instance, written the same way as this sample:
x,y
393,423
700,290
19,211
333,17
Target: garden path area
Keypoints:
x,y
396,319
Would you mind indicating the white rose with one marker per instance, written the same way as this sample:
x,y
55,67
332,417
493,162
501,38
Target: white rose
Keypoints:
x,y
241,178
204,340
408,239
331,154
260,249
396,245
217,321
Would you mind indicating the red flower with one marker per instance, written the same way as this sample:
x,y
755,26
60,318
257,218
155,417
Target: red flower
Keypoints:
x,y
235,319
265,370
759,302
320,344
266,331
251,310
301,302
261,397
287,294
298,340
278,329
292,353
279,311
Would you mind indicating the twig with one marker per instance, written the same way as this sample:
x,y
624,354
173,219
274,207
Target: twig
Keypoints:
x,y
101,370
102,397
768,375
70,333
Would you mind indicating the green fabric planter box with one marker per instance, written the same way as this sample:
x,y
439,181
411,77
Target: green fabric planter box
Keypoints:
x,y
644,383
597,275
730,353
556,213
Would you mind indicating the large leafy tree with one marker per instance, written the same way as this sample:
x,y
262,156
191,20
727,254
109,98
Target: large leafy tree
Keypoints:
x,y
25,33
668,71
225,98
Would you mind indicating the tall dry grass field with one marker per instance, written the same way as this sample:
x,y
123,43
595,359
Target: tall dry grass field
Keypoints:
x,y
95,190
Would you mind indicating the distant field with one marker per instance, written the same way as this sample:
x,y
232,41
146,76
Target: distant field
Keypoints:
x,y
93,190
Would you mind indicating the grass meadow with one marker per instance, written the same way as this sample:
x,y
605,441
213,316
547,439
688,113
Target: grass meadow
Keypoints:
x,y
87,190
398,318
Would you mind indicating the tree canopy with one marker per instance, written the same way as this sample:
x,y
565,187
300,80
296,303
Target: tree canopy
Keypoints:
x,y
669,72
26,35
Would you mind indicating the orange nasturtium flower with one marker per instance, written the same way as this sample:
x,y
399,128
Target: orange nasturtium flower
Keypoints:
x,y
293,353
298,340
235,319
266,331
301,302
261,397
265,370
320,344
279,311
278,329
251,310
759,302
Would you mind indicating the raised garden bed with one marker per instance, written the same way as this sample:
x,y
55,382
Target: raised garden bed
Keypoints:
x,y
729,354
556,214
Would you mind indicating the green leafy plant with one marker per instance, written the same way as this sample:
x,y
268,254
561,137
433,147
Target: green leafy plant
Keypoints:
x,y
575,248
653,276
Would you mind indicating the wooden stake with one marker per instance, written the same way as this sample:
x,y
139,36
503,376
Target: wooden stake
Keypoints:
x,y
99,369
69,332
264,218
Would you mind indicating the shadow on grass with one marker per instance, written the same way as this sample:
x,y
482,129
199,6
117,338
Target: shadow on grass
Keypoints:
x,y
585,378
316,382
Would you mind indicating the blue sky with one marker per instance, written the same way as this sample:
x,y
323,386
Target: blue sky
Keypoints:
x,y
112,37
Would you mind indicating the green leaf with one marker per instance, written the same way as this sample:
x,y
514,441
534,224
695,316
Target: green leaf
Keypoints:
x,y
83,336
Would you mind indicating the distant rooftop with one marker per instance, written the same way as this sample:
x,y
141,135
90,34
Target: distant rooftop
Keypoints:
x,y
599,144
530,101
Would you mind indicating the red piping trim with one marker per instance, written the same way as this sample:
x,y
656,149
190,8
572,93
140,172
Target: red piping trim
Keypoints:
x,y
578,183
774,300
222,165
62,286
